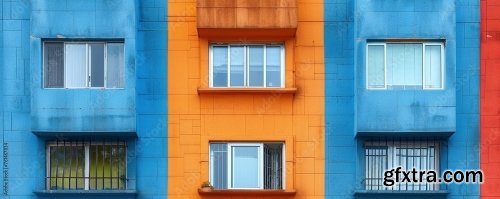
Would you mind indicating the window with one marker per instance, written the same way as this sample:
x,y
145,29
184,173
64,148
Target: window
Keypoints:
x,y
405,66
247,165
388,154
246,65
75,165
83,65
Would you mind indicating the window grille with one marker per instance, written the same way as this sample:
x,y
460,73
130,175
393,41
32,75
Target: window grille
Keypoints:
x,y
86,165
247,165
407,153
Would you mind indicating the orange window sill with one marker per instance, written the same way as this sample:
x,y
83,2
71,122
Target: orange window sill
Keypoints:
x,y
247,90
238,192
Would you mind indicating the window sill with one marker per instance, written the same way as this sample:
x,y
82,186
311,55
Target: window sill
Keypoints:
x,y
402,192
244,192
121,193
247,90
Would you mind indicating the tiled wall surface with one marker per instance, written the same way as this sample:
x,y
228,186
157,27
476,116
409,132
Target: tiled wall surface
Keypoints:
x,y
464,144
166,61
195,119
151,83
15,82
139,108
340,98
351,109
82,110
490,97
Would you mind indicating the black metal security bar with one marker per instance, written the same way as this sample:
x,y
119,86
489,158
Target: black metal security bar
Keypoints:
x,y
273,166
382,154
86,165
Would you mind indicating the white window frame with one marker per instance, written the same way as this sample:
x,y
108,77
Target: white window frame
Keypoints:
x,y
88,64
424,44
442,65
392,157
385,66
87,160
246,65
261,163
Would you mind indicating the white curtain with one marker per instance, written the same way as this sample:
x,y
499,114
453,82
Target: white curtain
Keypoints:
x,y
376,66
76,66
433,71
115,68
273,66
404,64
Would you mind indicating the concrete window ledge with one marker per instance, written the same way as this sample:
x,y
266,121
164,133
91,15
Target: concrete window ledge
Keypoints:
x,y
247,90
103,193
242,192
401,193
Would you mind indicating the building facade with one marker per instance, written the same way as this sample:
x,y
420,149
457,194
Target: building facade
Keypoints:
x,y
254,98
401,88
246,99
83,99
490,108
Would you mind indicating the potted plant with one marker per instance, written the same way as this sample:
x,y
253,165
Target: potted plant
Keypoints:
x,y
206,186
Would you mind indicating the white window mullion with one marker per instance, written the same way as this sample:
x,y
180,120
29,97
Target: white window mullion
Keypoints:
x,y
261,164
88,64
283,68
423,67
443,70
228,65
264,67
105,64
87,166
245,66
65,64
385,66
283,172
211,65
47,160
229,167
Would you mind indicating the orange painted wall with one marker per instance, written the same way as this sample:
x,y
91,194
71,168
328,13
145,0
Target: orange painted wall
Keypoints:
x,y
196,119
490,97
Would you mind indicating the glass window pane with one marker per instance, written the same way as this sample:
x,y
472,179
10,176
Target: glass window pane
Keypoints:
x,y
376,164
118,167
53,70
66,167
218,160
237,66
376,71
75,73
95,169
245,171
256,70
433,72
404,65
97,64
413,65
273,66
273,166
219,66
107,167
115,66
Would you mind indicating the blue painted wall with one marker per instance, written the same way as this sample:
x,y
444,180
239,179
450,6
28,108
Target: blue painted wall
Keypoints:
x,y
350,108
405,110
83,109
138,108
340,146
151,89
22,144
